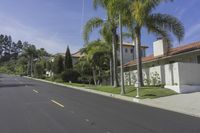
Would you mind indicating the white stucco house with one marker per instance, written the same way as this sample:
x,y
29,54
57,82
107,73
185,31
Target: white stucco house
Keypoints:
x,y
176,68
129,52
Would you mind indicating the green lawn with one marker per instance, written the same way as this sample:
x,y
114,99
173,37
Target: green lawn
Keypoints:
x,y
145,92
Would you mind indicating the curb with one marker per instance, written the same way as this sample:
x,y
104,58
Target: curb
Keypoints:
x,y
117,96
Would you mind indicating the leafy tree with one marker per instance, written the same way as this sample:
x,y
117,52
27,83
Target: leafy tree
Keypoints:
x,y
19,58
29,51
39,70
70,75
68,59
58,65
85,69
97,55
42,53
49,66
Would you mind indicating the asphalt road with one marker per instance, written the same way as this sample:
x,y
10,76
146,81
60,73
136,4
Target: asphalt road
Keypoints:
x,y
28,106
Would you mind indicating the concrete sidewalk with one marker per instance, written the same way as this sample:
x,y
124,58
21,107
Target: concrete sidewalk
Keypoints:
x,y
188,104
183,103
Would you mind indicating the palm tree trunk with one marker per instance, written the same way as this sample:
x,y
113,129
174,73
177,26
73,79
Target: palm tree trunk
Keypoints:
x,y
121,58
138,57
94,76
115,73
111,72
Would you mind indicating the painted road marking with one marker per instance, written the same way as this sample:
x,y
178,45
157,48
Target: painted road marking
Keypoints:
x,y
57,103
35,91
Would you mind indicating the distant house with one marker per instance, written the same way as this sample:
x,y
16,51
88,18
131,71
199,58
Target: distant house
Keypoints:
x,y
129,52
177,68
76,56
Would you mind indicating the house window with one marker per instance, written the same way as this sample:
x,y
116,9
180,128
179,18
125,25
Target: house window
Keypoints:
x,y
131,51
126,50
198,59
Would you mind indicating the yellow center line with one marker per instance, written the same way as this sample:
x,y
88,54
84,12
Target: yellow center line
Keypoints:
x,y
35,91
57,103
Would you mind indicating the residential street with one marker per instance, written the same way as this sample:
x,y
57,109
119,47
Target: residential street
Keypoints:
x,y
29,106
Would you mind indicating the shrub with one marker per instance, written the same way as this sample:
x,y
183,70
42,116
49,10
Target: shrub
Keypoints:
x,y
39,69
70,75
56,77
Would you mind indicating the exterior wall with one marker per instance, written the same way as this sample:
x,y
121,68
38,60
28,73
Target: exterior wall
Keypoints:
x,y
189,78
180,77
171,74
150,75
189,74
129,53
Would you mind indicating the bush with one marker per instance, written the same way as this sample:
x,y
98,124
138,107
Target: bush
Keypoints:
x,y
70,75
39,69
56,77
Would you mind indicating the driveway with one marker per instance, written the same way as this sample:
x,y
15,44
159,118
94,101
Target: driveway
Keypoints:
x,y
184,103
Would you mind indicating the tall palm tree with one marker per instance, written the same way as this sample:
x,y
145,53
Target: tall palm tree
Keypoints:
x,y
112,19
108,27
113,8
157,23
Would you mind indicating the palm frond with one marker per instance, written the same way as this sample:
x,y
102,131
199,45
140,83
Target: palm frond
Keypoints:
x,y
170,23
159,32
149,5
106,33
100,3
90,26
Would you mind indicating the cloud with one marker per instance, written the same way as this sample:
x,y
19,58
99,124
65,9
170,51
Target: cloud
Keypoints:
x,y
19,31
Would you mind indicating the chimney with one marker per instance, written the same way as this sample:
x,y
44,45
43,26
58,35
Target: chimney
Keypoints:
x,y
160,48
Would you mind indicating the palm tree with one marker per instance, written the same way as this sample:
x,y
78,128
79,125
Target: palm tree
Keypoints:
x,y
157,23
109,26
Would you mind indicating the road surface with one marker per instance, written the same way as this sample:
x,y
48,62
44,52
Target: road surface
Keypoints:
x,y
28,106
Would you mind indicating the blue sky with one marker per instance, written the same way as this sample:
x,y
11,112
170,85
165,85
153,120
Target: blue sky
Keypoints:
x,y
54,24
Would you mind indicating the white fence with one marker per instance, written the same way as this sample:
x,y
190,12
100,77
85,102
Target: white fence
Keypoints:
x,y
180,77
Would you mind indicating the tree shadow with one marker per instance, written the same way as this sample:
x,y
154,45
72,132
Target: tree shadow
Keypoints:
x,y
15,85
150,95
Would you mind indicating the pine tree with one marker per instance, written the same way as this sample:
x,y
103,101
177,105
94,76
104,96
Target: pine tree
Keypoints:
x,y
68,59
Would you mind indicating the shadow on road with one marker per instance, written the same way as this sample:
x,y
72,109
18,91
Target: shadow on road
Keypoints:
x,y
15,85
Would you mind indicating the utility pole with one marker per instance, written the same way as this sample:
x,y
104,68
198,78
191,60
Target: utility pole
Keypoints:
x,y
121,56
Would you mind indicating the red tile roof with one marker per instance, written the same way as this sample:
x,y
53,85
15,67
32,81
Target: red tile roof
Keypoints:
x,y
77,55
172,51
